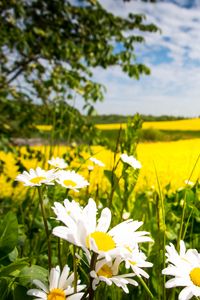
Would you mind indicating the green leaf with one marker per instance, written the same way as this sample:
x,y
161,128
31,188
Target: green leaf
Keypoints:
x,y
13,255
8,233
20,293
28,274
13,268
3,288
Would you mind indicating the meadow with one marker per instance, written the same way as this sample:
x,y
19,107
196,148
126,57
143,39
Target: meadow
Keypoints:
x,y
147,192
183,125
88,211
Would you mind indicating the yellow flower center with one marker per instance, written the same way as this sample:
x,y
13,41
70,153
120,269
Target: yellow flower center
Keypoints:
x,y
56,294
195,276
37,179
105,271
103,241
132,262
68,182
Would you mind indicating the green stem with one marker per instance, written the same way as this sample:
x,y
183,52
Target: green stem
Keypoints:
x,y
59,254
146,287
114,168
52,137
90,290
92,267
75,269
45,226
180,236
162,227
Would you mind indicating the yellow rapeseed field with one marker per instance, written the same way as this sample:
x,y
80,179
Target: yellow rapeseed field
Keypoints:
x,y
190,124
173,161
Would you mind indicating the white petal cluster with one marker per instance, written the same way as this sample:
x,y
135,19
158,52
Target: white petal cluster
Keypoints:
x,y
108,273
37,177
97,162
112,246
71,180
131,160
58,162
135,259
189,183
185,267
59,284
84,230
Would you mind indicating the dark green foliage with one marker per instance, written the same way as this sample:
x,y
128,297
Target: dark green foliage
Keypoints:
x,y
149,135
113,119
8,233
48,50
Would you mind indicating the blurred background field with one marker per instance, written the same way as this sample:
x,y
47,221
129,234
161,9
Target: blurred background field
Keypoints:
x,y
172,130
173,161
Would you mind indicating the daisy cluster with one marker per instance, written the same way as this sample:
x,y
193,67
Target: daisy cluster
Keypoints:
x,y
68,179
108,250
111,247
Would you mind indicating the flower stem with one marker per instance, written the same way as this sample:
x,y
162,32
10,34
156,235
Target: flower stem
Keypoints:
x,y
90,290
92,267
59,253
45,226
146,287
75,269
180,236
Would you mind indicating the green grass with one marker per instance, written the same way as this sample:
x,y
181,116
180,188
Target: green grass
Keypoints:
x,y
152,135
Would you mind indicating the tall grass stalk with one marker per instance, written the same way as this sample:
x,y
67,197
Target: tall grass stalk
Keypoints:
x,y
181,233
45,226
143,283
162,229
115,164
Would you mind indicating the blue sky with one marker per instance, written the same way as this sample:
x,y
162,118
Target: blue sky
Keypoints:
x,y
173,88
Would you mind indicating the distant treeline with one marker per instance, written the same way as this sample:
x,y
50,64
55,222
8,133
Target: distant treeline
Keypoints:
x,y
109,119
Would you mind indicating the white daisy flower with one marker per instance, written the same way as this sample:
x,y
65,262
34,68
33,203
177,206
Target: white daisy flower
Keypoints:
x,y
36,177
97,162
58,163
72,209
108,273
188,182
185,267
131,160
84,230
90,168
136,260
71,180
60,286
